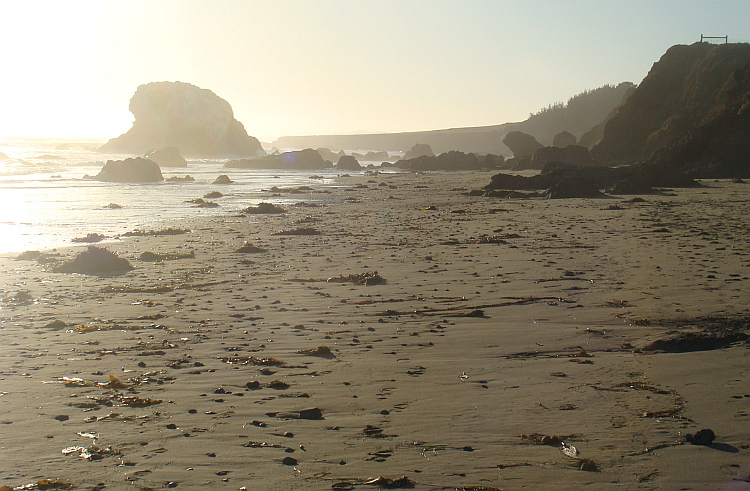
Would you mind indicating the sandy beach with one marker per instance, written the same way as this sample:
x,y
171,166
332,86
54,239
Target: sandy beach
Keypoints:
x,y
499,344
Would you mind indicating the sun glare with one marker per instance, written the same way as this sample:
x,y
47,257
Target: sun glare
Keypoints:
x,y
46,67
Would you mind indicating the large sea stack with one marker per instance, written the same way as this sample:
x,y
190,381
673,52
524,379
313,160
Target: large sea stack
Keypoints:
x,y
175,114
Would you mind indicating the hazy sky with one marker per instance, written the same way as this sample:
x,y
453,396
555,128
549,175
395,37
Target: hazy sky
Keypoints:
x,y
299,67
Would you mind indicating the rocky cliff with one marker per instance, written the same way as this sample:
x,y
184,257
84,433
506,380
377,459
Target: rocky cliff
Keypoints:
x,y
690,113
175,114
581,113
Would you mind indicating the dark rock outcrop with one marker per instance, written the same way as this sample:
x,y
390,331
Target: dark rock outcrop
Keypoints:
x,y
419,150
450,161
186,178
377,156
223,179
564,139
348,162
167,157
570,155
307,159
130,171
690,114
95,261
521,144
181,115
593,136
569,187
327,154
581,181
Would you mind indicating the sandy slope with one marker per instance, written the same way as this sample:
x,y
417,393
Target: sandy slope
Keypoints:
x,y
568,288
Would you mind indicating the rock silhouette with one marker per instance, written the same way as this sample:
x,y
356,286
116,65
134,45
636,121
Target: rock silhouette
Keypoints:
x,y
175,114
130,171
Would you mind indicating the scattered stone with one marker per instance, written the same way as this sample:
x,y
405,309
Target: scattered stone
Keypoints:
x,y
312,413
223,179
368,279
29,256
22,297
702,437
320,351
248,248
93,261
264,209
298,231
89,239
56,324
186,178
574,188
149,256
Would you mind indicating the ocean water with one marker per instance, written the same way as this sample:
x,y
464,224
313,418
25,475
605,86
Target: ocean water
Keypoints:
x,y
45,202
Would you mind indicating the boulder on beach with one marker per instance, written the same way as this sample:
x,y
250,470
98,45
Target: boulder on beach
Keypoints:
x,y
348,162
327,154
186,178
445,161
133,170
521,144
418,150
167,157
307,159
564,139
574,188
376,156
175,114
94,261
264,209
634,179
223,179
570,155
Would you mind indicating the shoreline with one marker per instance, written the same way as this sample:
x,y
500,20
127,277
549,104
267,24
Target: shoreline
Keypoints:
x,y
498,318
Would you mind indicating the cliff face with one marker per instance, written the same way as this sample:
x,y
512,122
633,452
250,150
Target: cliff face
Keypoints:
x,y
579,115
691,112
194,120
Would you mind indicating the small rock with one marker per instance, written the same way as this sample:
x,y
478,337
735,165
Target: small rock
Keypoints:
x,y
223,179
312,413
702,437
289,461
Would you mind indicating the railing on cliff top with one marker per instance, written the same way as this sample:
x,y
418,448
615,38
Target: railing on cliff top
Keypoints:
x,y
725,38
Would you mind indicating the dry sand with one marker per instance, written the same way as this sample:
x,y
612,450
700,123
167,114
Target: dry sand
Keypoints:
x,y
204,384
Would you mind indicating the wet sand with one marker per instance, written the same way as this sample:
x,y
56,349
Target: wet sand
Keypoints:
x,y
500,322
